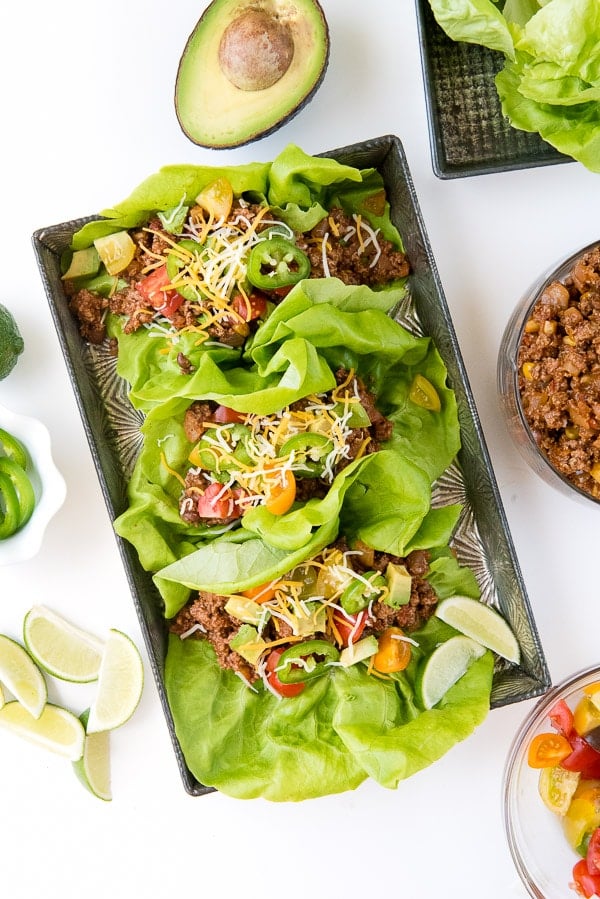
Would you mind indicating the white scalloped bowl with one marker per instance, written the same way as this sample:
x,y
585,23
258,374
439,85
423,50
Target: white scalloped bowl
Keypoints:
x,y
48,484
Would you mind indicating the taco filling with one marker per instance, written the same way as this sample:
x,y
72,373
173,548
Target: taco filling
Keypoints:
x,y
342,607
214,267
242,460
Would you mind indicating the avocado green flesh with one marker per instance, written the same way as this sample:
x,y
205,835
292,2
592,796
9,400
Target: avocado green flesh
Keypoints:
x,y
214,113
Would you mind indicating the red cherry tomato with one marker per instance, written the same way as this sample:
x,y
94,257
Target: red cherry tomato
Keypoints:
x,y
216,502
225,415
287,690
350,627
583,757
585,884
561,717
152,289
249,308
592,857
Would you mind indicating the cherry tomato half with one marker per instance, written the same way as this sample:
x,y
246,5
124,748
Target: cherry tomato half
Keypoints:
x,y
225,415
152,289
216,502
583,757
287,690
262,593
350,627
281,492
585,884
394,653
548,749
561,717
249,308
592,857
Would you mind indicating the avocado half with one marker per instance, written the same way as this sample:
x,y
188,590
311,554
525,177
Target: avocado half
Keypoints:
x,y
248,67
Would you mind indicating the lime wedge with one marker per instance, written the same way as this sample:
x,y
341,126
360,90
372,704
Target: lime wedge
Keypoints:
x,y
120,684
61,648
93,768
481,623
56,728
20,675
444,667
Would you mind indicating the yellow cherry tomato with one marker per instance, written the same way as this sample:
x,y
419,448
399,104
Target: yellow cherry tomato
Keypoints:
x,y
394,652
217,198
281,492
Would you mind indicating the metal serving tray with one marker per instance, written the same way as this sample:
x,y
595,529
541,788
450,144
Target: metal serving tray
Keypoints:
x,y
482,539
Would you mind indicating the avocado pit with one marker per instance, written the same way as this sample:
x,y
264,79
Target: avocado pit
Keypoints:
x,y
256,50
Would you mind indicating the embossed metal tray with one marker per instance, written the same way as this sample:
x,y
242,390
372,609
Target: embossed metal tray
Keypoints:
x,y
468,133
482,538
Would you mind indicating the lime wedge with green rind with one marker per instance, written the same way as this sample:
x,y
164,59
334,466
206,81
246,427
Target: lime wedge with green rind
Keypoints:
x,y
93,768
444,667
120,684
482,623
22,677
60,647
56,728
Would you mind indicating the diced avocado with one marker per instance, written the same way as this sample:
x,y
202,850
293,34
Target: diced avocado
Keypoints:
x,y
358,652
248,644
247,68
244,609
399,583
84,264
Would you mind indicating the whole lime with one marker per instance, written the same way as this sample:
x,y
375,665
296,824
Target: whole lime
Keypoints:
x,y
11,342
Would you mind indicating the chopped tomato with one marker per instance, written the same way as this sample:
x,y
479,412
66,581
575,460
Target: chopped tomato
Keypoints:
x,y
225,415
281,492
592,857
585,884
548,749
152,289
249,308
220,502
262,593
282,291
561,717
286,690
393,653
583,757
350,627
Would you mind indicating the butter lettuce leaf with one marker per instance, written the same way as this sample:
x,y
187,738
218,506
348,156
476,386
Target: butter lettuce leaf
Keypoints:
x,y
343,727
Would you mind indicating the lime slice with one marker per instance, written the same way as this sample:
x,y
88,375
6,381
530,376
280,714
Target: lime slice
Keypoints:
x,y
444,667
56,729
120,684
481,623
61,648
93,768
20,674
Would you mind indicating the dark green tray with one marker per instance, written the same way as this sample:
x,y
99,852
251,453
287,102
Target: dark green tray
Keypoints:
x,y
468,134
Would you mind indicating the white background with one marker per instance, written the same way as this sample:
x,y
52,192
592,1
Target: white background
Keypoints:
x,y
87,112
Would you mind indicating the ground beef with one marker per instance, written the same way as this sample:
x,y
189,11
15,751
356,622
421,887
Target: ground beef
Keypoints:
x,y
196,418
352,260
89,309
559,374
217,626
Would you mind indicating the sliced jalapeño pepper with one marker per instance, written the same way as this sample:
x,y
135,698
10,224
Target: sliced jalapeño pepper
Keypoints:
x,y
21,485
9,507
310,452
357,595
13,448
275,263
305,661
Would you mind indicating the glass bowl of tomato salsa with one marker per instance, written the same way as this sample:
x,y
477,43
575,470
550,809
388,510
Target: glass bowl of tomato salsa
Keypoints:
x,y
551,791
548,375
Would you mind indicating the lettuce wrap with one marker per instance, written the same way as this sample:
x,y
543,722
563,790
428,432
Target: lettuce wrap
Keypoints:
x,y
345,726
387,496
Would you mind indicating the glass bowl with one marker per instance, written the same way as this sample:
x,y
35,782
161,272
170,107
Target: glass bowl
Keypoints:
x,y
48,485
509,378
539,848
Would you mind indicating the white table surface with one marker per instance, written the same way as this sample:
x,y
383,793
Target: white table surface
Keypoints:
x,y
87,112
